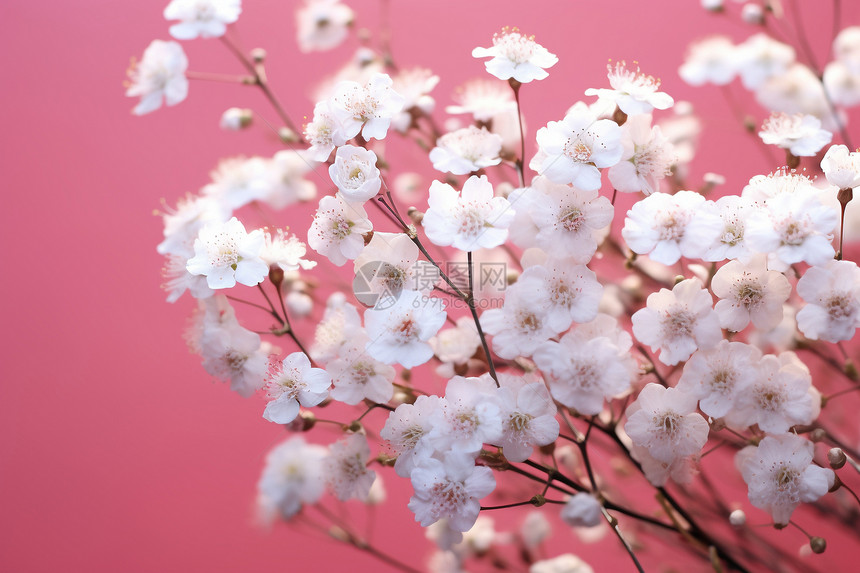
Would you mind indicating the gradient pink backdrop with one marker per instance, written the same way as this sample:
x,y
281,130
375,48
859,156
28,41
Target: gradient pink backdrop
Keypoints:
x,y
116,451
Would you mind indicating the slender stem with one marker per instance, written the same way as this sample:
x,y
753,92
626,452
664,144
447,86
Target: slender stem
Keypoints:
x,y
801,36
249,303
837,16
225,78
841,392
613,523
269,301
471,302
520,163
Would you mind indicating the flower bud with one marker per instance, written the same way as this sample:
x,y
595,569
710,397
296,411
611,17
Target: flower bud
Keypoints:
x,y
235,119
258,55
713,5
287,135
737,518
752,14
817,435
299,304
818,544
836,458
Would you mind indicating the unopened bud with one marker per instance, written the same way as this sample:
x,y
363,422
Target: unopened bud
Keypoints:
x,y
845,196
619,116
302,423
818,544
817,435
340,534
792,160
511,277
236,118
737,518
753,14
415,215
355,427
287,135
678,279
538,500
367,236
836,458
713,5
258,55
718,424
851,370
276,275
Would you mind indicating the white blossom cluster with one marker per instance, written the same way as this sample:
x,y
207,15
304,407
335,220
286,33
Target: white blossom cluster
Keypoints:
x,y
581,340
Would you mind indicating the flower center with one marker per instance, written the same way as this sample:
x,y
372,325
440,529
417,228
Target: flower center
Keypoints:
x,y
572,219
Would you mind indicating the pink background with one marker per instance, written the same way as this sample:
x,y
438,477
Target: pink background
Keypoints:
x,y
116,451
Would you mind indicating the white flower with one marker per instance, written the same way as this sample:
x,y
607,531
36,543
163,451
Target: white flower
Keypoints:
x,y
528,417
647,158
356,376
484,99
776,398
469,416
730,244
583,372
286,178
577,145
535,529
367,109
182,224
841,167
235,119
749,293
457,345
780,475
793,227
466,150
290,382
322,131
761,57
414,85
178,280
471,220
450,489
567,563
337,230
285,251
633,92
520,326
340,323
355,174
226,254
203,18
842,85
665,422
832,295
678,322
238,181
399,333
668,227
515,56
292,477
322,24
406,431
345,468
712,60
571,291
582,510
714,376
799,133
159,75
797,90
567,221
389,265
846,48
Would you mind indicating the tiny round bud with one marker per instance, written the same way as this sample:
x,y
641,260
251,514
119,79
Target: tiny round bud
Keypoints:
x,y
818,544
287,135
817,435
779,526
619,116
752,14
415,215
713,5
845,196
836,458
299,304
367,236
276,274
718,424
236,118
851,370
737,518
302,423
354,427
791,159
258,55
339,533
679,278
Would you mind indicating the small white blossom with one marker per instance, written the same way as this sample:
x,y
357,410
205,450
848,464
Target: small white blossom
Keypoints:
x,y
520,326
471,220
322,24
632,91
340,323
832,296
841,167
226,254
201,18
577,146
749,292
567,563
355,174
321,132
484,99
846,48
528,417
647,158
406,431
469,418
388,265
582,510
450,489
800,134
290,382
368,109
356,376
665,422
399,333
668,227
730,244
516,56
466,150
414,85
710,61
286,251
292,477
714,376
570,290
235,119
780,475
761,57
345,468
678,322
337,230
160,75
